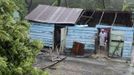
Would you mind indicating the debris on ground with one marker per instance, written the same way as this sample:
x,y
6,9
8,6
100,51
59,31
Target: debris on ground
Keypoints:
x,y
85,66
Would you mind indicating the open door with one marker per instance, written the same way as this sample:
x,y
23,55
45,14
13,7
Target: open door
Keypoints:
x,y
57,36
106,47
60,37
63,39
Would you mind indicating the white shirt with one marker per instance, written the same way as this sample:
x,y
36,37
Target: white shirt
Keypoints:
x,y
102,38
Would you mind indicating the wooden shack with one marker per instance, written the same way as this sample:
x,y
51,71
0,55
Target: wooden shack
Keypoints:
x,y
49,24
83,26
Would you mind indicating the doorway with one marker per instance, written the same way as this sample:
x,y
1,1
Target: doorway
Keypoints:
x,y
103,50
57,36
60,32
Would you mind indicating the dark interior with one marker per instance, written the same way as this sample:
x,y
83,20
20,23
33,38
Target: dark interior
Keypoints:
x,y
92,18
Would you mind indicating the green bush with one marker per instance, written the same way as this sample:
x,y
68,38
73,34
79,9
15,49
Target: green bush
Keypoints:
x,y
17,51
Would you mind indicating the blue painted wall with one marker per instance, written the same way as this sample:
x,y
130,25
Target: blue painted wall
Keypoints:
x,y
128,40
43,32
85,35
127,37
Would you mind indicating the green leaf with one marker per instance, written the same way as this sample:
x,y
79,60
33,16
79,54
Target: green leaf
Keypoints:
x,y
4,36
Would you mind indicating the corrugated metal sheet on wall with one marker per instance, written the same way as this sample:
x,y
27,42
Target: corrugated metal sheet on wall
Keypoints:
x,y
85,35
43,32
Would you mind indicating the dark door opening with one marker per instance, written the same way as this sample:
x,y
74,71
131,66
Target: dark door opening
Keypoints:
x,y
57,36
103,49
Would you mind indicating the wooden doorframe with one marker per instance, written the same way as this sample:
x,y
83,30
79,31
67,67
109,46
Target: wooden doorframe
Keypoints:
x,y
57,34
108,38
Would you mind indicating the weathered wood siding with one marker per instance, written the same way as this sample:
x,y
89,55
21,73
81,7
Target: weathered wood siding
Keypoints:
x,y
85,35
127,38
120,33
115,37
128,44
43,32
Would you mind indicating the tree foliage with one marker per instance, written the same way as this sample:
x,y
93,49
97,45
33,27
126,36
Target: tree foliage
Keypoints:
x,y
17,51
118,5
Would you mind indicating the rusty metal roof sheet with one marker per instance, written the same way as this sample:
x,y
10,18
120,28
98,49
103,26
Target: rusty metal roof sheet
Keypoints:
x,y
53,14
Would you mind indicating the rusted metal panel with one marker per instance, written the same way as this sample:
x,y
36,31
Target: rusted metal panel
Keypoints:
x,y
53,14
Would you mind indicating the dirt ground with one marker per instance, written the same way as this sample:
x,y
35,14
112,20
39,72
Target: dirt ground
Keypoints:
x,y
87,66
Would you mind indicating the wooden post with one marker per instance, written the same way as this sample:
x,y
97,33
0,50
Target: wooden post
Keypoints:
x,y
101,17
90,17
115,17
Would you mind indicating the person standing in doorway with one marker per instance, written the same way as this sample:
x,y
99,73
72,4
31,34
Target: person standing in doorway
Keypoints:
x,y
102,42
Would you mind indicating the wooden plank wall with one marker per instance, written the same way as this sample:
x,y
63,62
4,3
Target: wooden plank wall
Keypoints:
x,y
120,33
43,32
128,40
116,37
85,35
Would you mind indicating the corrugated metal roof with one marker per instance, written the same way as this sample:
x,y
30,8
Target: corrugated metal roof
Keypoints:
x,y
53,14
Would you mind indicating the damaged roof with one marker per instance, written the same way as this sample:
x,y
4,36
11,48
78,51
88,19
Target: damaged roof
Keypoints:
x,y
53,14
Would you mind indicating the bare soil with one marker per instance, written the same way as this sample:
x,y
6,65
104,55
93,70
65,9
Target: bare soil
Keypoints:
x,y
86,66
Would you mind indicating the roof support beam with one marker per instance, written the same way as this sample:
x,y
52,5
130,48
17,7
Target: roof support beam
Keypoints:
x,y
90,17
54,3
85,16
101,17
115,17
